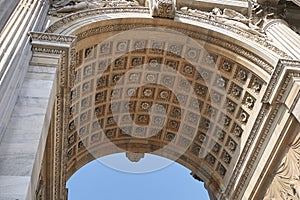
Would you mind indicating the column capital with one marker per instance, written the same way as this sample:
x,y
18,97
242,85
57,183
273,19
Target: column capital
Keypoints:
x,y
264,11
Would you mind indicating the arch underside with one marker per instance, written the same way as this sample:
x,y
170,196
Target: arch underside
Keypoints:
x,y
207,136
205,131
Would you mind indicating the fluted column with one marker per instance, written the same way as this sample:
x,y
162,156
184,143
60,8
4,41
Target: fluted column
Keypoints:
x,y
6,9
18,147
283,37
15,52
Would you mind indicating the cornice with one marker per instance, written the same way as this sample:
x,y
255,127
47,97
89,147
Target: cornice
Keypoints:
x,y
51,39
278,72
49,43
94,12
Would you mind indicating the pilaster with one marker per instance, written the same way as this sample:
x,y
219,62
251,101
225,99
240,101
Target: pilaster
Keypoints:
x,y
23,143
281,98
52,50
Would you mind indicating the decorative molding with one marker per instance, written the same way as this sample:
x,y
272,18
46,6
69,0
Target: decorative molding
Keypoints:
x,y
292,63
58,143
37,37
65,47
89,13
65,76
203,18
243,52
280,68
50,43
47,50
196,35
253,157
289,74
59,127
288,78
273,82
258,123
67,79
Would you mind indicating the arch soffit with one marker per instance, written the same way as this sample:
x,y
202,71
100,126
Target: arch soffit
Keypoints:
x,y
243,51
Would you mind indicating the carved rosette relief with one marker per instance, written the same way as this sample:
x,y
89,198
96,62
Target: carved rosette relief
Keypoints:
x,y
286,183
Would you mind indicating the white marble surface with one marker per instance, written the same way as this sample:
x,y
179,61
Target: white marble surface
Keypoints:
x,y
6,8
13,187
15,51
22,146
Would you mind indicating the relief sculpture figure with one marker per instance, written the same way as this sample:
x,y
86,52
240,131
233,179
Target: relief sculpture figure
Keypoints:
x,y
61,7
162,8
234,18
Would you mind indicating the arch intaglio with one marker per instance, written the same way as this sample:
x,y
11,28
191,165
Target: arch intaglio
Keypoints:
x,y
213,86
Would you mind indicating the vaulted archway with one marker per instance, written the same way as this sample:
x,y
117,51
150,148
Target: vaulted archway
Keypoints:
x,y
191,91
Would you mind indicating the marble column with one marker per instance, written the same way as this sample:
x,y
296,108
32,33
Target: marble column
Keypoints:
x,y
24,140
283,37
15,51
6,9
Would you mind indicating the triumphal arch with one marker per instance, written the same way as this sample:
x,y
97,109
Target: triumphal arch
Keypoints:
x,y
212,85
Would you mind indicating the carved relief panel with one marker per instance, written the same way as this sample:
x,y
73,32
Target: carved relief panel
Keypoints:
x,y
286,181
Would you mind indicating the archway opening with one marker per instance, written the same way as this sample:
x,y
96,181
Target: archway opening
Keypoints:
x,y
97,180
187,100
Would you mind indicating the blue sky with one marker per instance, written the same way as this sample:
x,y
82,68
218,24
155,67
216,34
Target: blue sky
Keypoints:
x,y
106,179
